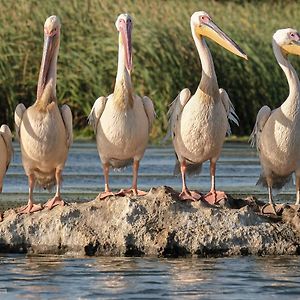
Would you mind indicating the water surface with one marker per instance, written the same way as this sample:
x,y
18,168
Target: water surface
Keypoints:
x,y
237,172
55,277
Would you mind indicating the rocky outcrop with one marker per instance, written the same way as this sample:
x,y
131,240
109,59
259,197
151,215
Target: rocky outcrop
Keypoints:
x,y
158,224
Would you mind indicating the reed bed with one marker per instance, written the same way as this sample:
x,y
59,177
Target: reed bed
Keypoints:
x,y
165,58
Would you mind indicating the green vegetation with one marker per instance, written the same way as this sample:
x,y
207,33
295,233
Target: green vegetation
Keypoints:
x,y
165,58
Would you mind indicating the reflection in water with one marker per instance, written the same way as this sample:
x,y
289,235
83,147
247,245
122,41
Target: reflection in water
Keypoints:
x,y
58,277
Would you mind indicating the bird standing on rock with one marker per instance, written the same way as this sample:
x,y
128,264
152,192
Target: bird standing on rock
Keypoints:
x,y
122,121
44,129
199,123
277,133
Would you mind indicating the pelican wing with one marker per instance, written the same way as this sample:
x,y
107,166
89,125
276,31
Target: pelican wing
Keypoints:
x,y
175,111
96,112
20,109
7,137
229,108
261,119
68,121
149,109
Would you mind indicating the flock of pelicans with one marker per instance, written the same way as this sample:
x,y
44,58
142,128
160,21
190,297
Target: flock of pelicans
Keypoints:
x,y
122,121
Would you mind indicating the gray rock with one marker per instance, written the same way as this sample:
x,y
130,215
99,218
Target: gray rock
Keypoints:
x,y
158,224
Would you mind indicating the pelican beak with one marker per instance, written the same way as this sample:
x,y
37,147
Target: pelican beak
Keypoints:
x,y
212,31
48,51
125,30
293,48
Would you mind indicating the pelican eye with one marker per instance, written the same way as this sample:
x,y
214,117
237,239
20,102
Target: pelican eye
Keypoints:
x,y
204,19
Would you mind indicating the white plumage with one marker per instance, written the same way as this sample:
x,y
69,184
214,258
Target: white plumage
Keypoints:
x,y
277,133
44,129
122,121
199,123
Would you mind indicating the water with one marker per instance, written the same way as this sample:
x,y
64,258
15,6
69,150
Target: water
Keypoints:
x,y
237,172
57,277
54,277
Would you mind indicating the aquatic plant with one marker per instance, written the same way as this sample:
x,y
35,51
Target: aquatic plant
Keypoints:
x,y
165,58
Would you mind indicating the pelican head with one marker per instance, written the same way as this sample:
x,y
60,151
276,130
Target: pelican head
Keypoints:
x,y
124,26
288,39
51,45
202,25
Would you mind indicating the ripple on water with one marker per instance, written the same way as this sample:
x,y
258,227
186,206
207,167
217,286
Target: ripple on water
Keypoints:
x,y
149,278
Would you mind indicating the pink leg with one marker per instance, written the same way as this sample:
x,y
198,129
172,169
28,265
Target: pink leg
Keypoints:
x,y
186,194
107,192
30,207
133,190
213,196
56,200
297,189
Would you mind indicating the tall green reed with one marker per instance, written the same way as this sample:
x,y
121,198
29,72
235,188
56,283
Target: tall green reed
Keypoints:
x,y
165,58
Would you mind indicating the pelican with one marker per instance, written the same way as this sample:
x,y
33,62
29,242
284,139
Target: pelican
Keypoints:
x,y
6,151
199,123
277,133
44,129
122,121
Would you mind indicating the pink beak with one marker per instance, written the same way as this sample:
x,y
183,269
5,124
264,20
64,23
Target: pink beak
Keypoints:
x,y
125,30
49,47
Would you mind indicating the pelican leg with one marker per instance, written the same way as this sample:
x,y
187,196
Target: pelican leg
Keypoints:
x,y
213,196
133,190
30,207
107,192
297,190
186,194
136,192
56,200
271,201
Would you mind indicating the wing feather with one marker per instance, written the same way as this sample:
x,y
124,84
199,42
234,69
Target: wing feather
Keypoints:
x,y
261,119
175,111
96,112
229,108
7,137
68,121
149,109
19,111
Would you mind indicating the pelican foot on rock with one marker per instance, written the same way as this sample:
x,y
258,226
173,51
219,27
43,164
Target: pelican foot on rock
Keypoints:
x,y
56,200
104,195
130,192
215,197
29,208
273,209
190,195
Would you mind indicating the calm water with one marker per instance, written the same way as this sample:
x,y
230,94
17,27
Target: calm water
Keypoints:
x,y
237,172
55,277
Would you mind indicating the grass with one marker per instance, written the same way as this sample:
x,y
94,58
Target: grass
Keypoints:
x,y
165,58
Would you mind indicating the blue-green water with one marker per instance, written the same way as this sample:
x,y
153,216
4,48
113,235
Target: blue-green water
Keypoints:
x,y
58,277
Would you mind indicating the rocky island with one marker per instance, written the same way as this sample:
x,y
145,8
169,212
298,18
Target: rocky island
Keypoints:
x,y
158,224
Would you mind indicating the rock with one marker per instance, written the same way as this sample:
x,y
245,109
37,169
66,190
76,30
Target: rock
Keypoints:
x,y
158,224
